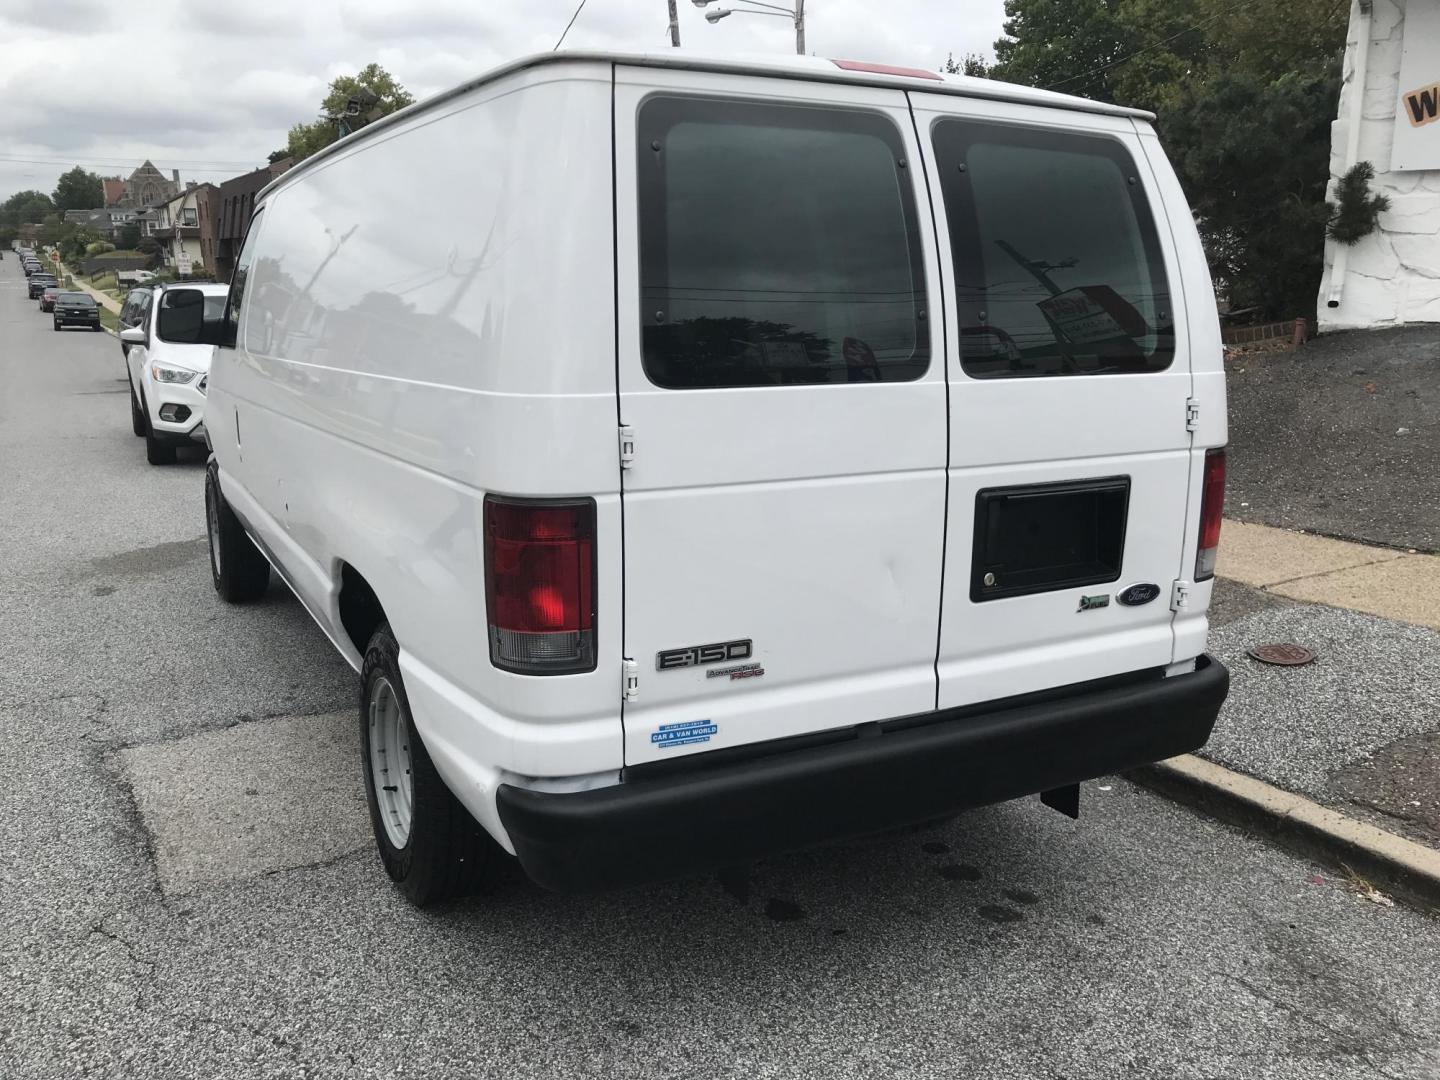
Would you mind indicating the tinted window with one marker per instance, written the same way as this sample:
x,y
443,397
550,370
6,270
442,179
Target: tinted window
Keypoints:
x,y
183,313
778,245
76,299
238,279
1057,267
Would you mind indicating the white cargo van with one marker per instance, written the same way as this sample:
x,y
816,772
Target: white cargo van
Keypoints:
x,y
699,459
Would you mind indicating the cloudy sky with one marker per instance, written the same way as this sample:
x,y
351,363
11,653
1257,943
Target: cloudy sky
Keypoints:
x,y
211,87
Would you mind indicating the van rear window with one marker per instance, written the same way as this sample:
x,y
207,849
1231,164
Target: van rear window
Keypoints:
x,y
1058,269
779,245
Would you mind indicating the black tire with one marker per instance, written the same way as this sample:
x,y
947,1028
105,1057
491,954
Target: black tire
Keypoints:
x,y
57,326
137,414
237,569
446,853
157,450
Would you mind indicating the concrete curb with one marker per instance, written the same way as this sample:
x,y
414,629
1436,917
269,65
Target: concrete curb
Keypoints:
x,y
1392,863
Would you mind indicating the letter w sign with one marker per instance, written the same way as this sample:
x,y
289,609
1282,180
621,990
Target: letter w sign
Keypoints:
x,y
1423,106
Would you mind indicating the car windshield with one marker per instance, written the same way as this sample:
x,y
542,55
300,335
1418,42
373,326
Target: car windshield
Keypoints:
x,y
184,313
77,299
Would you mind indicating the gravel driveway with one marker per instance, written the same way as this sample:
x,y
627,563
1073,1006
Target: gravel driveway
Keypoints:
x,y
1341,437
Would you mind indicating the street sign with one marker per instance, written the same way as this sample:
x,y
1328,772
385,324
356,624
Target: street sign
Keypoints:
x,y
182,263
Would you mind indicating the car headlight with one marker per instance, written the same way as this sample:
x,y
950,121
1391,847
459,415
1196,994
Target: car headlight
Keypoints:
x,y
161,373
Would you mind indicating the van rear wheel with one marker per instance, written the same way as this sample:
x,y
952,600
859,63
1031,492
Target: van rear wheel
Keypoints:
x,y
429,844
237,569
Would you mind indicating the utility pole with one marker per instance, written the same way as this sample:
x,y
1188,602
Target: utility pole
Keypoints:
x,y
800,27
674,25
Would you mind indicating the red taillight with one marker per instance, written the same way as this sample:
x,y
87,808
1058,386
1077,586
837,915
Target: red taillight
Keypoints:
x,y
1212,506
540,584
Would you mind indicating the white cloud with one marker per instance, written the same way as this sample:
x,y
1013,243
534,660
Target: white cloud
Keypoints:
x,y
211,89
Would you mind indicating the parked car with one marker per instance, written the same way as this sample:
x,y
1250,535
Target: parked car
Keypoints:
x,y
47,297
133,277
31,266
825,576
76,309
133,312
39,282
167,363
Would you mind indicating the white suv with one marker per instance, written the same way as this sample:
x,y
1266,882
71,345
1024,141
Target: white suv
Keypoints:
x,y
168,364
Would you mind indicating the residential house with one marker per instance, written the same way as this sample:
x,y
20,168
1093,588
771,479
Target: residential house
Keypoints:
x,y
106,221
236,199
178,225
1389,115
114,188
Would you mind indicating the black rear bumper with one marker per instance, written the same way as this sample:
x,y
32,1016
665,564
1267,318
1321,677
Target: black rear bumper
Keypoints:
x,y
877,777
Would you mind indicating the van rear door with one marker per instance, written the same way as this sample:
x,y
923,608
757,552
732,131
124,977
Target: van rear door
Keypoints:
x,y
782,401
1070,457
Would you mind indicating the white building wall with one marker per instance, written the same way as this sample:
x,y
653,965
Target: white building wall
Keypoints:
x,y
1391,276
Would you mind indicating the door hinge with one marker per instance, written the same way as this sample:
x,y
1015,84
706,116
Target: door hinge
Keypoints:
x,y
627,446
632,680
1180,594
1192,414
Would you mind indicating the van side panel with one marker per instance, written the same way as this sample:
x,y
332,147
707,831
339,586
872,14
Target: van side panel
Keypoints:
x,y
430,318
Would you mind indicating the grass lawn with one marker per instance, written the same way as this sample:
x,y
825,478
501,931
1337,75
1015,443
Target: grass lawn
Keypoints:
x,y
108,319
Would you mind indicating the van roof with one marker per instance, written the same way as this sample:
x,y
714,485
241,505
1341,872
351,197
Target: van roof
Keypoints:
x,y
810,68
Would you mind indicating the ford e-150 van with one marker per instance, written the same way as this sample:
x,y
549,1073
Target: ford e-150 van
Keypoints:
x,y
699,459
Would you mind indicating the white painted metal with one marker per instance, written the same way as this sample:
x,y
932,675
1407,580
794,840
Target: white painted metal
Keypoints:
x,y
401,357
1021,431
398,358
808,519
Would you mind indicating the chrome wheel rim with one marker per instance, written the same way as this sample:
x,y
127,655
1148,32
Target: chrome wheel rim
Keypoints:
x,y
390,774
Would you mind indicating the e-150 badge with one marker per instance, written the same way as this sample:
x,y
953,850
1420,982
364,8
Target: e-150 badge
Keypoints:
x,y
696,655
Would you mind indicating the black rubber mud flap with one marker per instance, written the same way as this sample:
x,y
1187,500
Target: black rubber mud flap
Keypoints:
x,y
1065,799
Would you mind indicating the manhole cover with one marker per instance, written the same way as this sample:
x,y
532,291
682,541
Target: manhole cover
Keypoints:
x,y
1284,653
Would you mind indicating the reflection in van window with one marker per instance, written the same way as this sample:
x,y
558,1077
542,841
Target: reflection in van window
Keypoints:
x,y
778,246
1057,266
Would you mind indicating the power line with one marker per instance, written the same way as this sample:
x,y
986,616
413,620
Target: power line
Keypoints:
x,y
571,23
1153,45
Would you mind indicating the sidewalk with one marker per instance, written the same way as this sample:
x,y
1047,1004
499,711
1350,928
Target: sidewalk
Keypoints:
x,y
1337,757
109,303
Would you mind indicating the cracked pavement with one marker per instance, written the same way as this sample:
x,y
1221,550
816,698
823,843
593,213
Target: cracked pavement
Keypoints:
x,y
1142,940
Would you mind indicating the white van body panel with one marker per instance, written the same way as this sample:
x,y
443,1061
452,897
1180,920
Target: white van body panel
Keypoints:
x,y
1017,431
446,306
808,519
416,353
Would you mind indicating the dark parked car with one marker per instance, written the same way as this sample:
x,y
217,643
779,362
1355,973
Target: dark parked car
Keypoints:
x,y
76,309
39,282
47,297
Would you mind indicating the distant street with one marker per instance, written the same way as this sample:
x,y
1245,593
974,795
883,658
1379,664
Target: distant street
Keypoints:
x,y
189,888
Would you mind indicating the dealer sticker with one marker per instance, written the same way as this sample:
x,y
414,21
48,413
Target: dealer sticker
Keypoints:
x,y
686,734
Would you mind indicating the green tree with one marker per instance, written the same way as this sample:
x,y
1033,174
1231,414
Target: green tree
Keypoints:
x,y
127,236
972,64
376,90
1244,96
26,207
78,190
1254,158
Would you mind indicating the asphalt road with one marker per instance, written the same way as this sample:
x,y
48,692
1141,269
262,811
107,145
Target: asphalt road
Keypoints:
x,y
1341,437
1140,941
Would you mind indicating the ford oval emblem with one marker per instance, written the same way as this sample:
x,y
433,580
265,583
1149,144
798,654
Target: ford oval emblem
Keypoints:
x,y
1136,595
